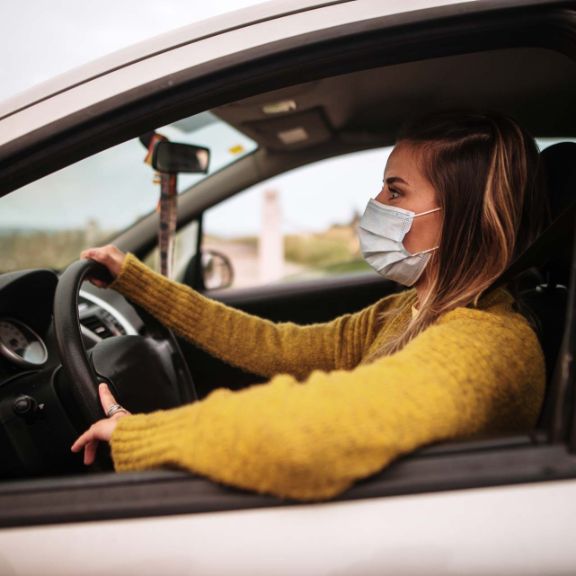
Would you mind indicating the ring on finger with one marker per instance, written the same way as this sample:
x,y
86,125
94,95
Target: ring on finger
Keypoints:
x,y
115,408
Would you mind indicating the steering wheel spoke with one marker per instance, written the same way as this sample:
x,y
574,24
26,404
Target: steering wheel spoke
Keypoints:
x,y
145,373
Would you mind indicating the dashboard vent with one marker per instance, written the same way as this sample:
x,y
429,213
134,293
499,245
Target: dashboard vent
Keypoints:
x,y
102,324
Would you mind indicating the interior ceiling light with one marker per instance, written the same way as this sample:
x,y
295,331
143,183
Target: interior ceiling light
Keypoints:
x,y
280,107
293,135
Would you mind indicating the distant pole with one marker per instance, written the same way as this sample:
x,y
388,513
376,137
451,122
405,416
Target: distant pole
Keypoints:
x,y
271,241
92,232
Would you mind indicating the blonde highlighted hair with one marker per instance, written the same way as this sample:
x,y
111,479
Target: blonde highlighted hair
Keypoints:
x,y
487,175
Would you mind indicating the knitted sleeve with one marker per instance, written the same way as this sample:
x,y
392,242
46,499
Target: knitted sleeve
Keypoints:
x,y
249,342
473,372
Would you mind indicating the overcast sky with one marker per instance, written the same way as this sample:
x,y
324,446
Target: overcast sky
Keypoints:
x,y
43,38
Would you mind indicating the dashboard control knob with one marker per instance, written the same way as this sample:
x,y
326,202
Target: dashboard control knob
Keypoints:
x,y
25,405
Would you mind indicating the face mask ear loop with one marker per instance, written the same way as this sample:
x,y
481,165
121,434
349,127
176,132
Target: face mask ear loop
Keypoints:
x,y
423,214
426,251
427,212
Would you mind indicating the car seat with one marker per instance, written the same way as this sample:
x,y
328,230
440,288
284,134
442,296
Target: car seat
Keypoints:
x,y
551,255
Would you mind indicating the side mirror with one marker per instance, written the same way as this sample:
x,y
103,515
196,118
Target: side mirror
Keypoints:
x,y
175,158
217,270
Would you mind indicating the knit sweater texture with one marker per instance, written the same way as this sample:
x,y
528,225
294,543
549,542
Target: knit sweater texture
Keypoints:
x,y
333,410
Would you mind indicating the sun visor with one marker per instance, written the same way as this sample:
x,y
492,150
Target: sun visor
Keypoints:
x,y
290,131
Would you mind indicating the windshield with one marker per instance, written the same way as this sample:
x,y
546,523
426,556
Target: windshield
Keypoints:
x,y
48,223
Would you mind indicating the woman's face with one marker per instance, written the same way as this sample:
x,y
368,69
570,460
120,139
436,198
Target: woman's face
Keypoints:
x,y
405,186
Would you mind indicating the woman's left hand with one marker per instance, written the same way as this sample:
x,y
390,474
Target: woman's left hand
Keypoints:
x,y
100,431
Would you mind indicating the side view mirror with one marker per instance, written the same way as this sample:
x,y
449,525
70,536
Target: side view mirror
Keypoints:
x,y
217,270
175,158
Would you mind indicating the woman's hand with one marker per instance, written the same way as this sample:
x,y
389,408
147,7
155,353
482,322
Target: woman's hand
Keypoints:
x,y
100,431
109,256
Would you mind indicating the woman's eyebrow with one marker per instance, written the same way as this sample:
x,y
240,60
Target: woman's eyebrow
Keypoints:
x,y
393,179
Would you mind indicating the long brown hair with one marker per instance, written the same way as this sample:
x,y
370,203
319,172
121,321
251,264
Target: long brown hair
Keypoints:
x,y
488,179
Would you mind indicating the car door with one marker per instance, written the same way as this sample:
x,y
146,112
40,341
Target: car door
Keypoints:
x,y
500,505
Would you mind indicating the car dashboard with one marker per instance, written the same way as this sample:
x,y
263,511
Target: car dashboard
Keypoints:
x,y
37,412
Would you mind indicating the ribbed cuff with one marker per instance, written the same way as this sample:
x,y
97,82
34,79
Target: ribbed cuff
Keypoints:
x,y
145,441
174,303
135,275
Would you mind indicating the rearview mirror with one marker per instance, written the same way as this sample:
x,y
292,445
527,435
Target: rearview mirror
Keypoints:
x,y
174,158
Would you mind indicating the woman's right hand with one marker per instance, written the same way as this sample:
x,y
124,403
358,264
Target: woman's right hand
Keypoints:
x,y
109,256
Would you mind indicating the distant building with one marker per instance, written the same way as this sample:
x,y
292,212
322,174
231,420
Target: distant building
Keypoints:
x,y
271,241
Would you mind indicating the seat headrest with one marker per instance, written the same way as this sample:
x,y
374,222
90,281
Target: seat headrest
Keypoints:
x,y
560,171
551,252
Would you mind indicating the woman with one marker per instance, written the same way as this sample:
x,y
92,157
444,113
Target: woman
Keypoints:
x,y
447,359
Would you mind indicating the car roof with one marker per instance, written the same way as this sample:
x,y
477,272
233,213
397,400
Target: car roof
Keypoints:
x,y
511,81
188,34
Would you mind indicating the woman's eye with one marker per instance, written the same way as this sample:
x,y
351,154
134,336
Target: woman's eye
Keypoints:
x,y
394,194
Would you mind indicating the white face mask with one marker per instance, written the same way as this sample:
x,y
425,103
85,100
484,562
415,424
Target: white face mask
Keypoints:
x,y
381,232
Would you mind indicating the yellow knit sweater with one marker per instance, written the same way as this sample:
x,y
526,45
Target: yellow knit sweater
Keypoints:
x,y
332,412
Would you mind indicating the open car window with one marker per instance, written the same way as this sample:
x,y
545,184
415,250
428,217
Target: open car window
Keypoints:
x,y
298,226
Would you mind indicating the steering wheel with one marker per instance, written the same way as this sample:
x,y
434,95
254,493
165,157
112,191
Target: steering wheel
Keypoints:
x,y
125,363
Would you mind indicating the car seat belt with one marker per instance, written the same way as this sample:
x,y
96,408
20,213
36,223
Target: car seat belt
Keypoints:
x,y
540,252
167,206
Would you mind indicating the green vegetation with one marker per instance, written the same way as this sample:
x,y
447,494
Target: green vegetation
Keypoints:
x,y
349,267
316,251
332,252
245,240
45,249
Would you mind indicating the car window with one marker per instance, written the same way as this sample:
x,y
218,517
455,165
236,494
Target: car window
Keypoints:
x,y
297,226
300,225
48,222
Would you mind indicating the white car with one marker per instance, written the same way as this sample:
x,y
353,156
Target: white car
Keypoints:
x,y
298,102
